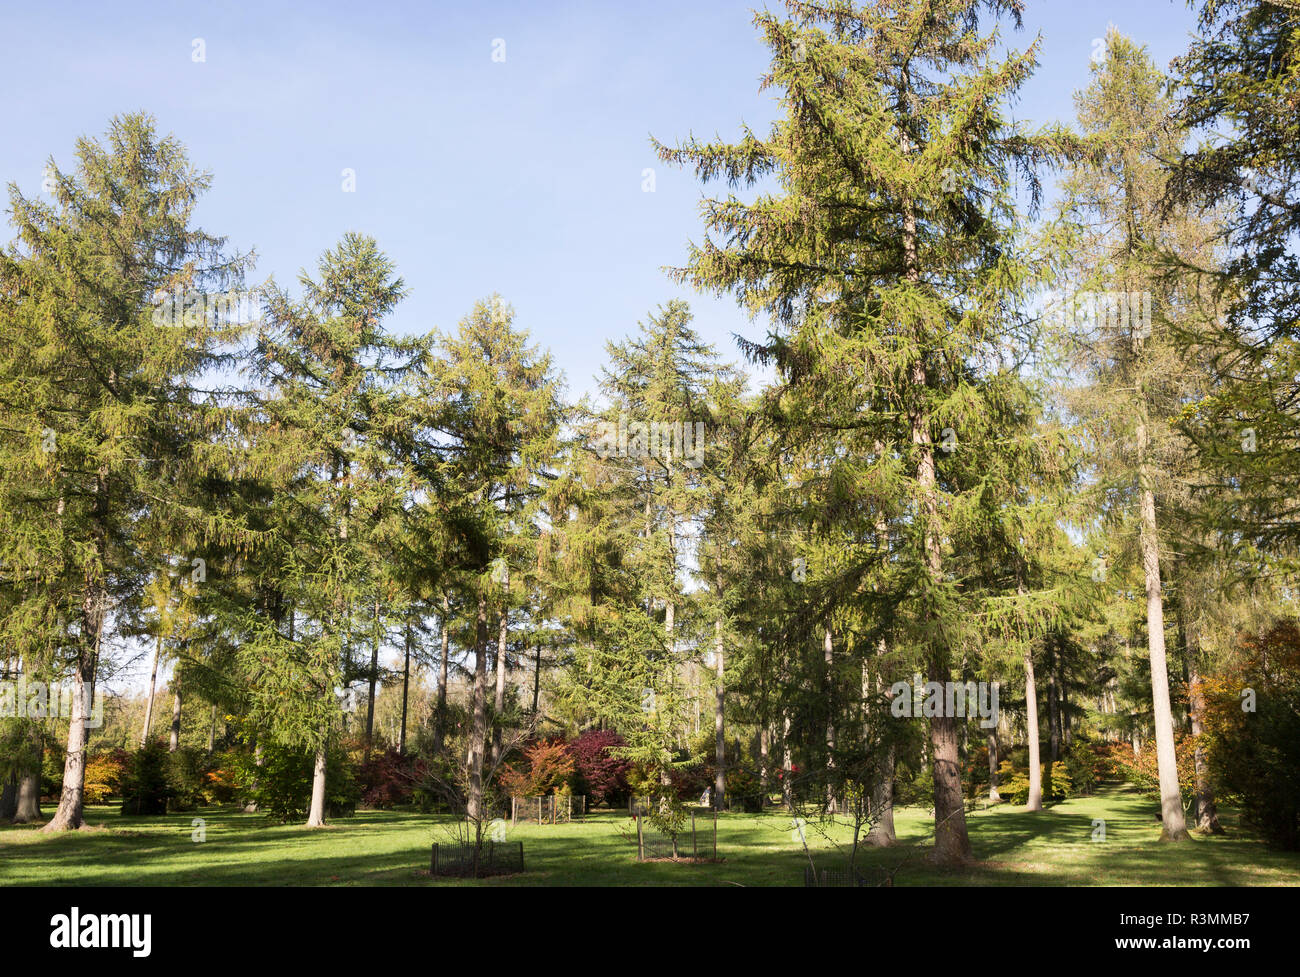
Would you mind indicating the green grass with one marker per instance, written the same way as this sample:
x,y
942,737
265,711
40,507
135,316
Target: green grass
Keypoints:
x,y
392,847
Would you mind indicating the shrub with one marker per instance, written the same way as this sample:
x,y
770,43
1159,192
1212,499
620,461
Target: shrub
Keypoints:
x,y
221,779
548,766
387,779
146,787
1256,755
1013,784
186,768
281,786
1083,766
744,790
600,774
104,772
692,780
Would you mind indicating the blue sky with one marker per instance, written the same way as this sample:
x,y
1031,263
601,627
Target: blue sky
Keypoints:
x,y
521,176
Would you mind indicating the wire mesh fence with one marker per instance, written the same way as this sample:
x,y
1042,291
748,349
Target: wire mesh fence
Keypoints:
x,y
492,858
832,877
549,809
697,838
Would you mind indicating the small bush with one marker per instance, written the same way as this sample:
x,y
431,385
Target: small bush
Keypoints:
x,y
387,779
281,786
600,774
547,766
146,787
104,772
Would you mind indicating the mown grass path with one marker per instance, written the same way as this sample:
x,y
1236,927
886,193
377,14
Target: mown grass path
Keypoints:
x,y
1054,847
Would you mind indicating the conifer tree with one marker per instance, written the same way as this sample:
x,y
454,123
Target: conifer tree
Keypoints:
x,y
99,419
886,257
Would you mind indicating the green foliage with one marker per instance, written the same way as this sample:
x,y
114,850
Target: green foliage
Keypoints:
x,y
1083,766
281,786
146,782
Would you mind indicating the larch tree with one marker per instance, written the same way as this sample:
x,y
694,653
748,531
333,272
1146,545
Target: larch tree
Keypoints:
x,y
1125,320
99,419
882,242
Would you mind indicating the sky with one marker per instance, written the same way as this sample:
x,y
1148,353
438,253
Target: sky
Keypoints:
x,y
522,174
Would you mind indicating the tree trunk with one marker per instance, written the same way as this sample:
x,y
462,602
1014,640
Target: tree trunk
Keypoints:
x,y
993,766
440,716
173,744
1207,812
212,730
499,703
478,732
1031,732
951,842
882,833
787,788
70,814
1053,706
28,807
537,675
406,681
1171,804
316,814
153,685
251,806
9,799
373,680
719,732
828,650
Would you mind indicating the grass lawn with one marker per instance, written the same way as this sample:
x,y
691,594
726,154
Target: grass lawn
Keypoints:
x,y
392,847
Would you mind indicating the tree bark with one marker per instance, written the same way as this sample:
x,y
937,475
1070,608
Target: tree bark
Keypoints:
x,y
9,799
173,744
993,766
499,702
373,679
28,807
537,675
70,814
882,833
1207,811
828,650
478,732
1171,804
719,731
153,685
406,681
1053,706
1035,802
440,716
951,842
787,788
316,814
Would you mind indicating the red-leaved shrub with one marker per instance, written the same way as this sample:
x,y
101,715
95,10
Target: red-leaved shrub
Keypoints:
x,y
601,775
